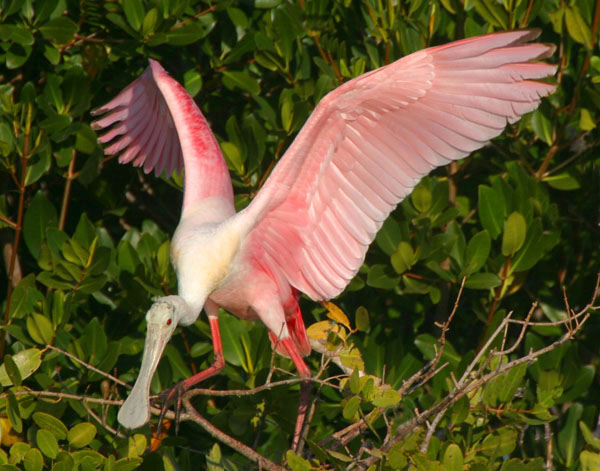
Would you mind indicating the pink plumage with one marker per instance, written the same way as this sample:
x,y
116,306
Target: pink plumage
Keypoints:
x,y
363,149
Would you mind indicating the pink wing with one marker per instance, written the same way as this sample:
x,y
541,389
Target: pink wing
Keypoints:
x,y
369,142
157,125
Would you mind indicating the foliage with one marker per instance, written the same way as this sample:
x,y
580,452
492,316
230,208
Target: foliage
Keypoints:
x,y
86,243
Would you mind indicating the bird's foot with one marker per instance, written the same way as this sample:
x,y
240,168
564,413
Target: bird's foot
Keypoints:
x,y
166,399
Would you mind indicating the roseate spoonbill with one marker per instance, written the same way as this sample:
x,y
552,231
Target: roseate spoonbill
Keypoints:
x,y
363,149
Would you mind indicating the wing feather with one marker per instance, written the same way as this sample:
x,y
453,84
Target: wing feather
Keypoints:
x,y
156,125
368,143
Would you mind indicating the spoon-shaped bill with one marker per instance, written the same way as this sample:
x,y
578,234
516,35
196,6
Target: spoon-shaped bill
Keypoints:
x,y
135,412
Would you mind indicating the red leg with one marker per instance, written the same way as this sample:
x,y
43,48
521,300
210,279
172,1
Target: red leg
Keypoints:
x,y
305,387
219,361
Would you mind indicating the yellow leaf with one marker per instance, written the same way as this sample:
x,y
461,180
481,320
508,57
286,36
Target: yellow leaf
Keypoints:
x,y
9,436
337,315
319,330
586,122
351,358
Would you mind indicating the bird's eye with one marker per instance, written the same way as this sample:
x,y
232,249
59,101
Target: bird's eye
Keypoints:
x,y
169,321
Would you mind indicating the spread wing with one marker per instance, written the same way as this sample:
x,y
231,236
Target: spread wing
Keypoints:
x,y
369,142
158,126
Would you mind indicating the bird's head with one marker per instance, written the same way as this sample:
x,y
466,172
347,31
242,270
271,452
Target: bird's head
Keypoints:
x,y
162,319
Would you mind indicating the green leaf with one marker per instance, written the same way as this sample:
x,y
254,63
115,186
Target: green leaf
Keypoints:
x,y
515,230
351,407
17,34
120,22
52,54
453,458
500,443
421,198
192,80
238,17
85,235
577,27
234,337
6,139
33,460
94,341
38,166
491,210
89,459
24,298
511,381
482,281
585,378
478,250
51,423
134,13
296,463
266,4
460,411
242,80
38,217
47,443
178,365
150,22
186,34
564,181
81,434
17,55
27,361
389,236
61,29
586,121
404,258
361,319
423,463
492,12
40,329
589,461
55,124
386,398
567,436
85,139
542,126
13,413
354,382
287,112
532,250
377,277
44,10
233,157
12,370
589,437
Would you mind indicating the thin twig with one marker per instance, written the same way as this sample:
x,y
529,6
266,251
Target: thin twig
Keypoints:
x,y
67,192
102,422
90,367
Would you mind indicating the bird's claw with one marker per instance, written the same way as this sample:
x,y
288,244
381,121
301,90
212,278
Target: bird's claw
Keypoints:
x,y
168,397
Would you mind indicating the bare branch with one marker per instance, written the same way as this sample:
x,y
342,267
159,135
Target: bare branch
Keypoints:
x,y
88,366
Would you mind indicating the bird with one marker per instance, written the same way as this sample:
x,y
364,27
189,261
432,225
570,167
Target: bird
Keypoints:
x,y
362,150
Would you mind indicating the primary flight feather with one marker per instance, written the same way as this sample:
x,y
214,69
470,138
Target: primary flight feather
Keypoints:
x,y
363,149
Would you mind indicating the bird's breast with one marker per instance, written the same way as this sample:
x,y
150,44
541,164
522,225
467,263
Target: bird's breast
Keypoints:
x,y
203,255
